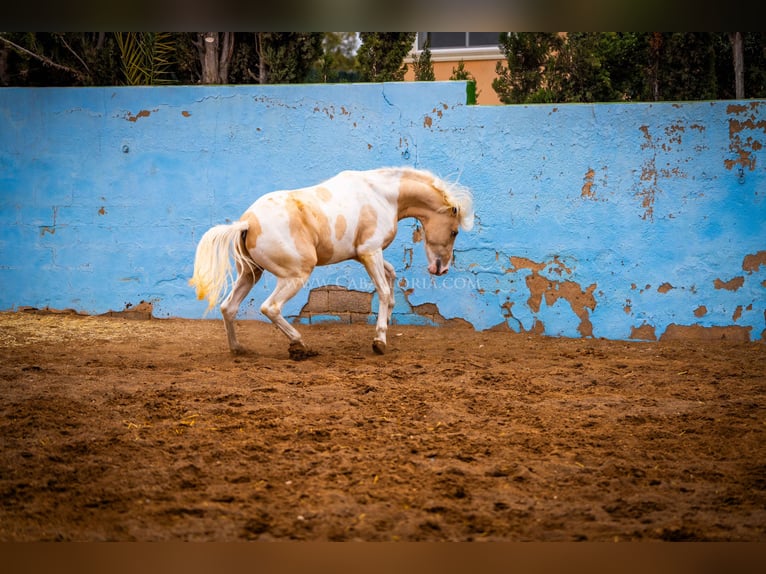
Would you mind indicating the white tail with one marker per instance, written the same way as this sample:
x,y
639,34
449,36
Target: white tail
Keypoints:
x,y
212,262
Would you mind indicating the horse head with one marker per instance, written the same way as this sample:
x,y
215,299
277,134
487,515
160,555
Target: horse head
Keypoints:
x,y
441,226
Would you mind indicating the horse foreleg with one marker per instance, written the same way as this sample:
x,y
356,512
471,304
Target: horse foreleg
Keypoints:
x,y
272,307
391,276
245,281
383,278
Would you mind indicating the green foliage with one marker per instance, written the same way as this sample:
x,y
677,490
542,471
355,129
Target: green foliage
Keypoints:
x,y
58,59
685,65
275,57
146,57
460,73
583,70
338,60
381,55
423,68
289,56
539,67
755,64
625,66
531,56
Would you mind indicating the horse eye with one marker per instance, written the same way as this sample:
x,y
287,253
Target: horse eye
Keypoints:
x,y
454,233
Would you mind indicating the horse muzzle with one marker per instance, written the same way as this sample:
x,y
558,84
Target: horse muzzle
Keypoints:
x,y
436,267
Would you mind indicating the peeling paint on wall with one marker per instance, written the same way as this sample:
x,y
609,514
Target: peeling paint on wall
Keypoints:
x,y
745,130
639,221
587,187
731,285
752,263
643,333
142,114
542,287
697,332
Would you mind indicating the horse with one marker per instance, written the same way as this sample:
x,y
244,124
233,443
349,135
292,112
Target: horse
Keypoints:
x,y
352,215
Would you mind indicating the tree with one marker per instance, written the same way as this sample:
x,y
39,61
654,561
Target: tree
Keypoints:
x,y
287,57
739,64
753,65
531,58
624,57
423,68
754,56
338,60
381,55
625,66
215,51
582,70
58,59
685,66
460,73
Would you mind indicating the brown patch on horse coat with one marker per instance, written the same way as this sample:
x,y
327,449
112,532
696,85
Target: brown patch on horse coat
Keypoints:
x,y
389,237
310,230
253,231
412,201
324,194
368,223
340,227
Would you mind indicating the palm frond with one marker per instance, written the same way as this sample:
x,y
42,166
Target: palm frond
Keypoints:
x,y
146,57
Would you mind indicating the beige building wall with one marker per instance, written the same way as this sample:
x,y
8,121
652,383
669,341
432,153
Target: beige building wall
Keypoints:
x,y
481,67
482,70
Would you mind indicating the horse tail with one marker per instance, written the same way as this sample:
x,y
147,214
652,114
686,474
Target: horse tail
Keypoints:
x,y
212,261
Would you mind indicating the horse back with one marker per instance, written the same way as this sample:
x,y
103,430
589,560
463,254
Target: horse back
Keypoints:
x,y
337,220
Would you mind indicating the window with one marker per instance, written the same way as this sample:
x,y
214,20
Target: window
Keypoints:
x,y
458,40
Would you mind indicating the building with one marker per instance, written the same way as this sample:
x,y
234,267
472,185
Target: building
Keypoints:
x,y
479,51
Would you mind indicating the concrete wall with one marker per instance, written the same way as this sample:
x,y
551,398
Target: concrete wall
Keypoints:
x,y
609,220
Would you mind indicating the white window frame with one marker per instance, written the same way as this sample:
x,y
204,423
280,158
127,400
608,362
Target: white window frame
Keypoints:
x,y
450,54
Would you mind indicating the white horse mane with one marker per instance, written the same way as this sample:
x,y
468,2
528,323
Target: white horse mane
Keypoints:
x,y
457,196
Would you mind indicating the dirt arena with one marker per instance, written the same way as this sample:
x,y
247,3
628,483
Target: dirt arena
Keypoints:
x,y
117,429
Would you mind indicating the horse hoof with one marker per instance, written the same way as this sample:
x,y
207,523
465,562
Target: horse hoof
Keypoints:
x,y
379,347
238,350
299,352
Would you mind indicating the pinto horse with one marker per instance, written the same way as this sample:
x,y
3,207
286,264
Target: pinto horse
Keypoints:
x,y
353,215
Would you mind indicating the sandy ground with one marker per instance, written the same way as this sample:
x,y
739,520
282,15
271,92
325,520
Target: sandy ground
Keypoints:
x,y
117,429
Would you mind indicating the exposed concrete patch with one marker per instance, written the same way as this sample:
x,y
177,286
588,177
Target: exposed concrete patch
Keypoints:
x,y
579,299
333,303
699,333
751,263
643,332
431,312
338,303
661,163
587,186
48,311
731,285
142,312
142,114
744,126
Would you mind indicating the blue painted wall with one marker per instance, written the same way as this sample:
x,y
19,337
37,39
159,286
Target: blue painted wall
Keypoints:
x,y
606,220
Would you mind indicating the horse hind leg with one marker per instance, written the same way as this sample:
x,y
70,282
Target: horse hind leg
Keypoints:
x,y
229,308
272,307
